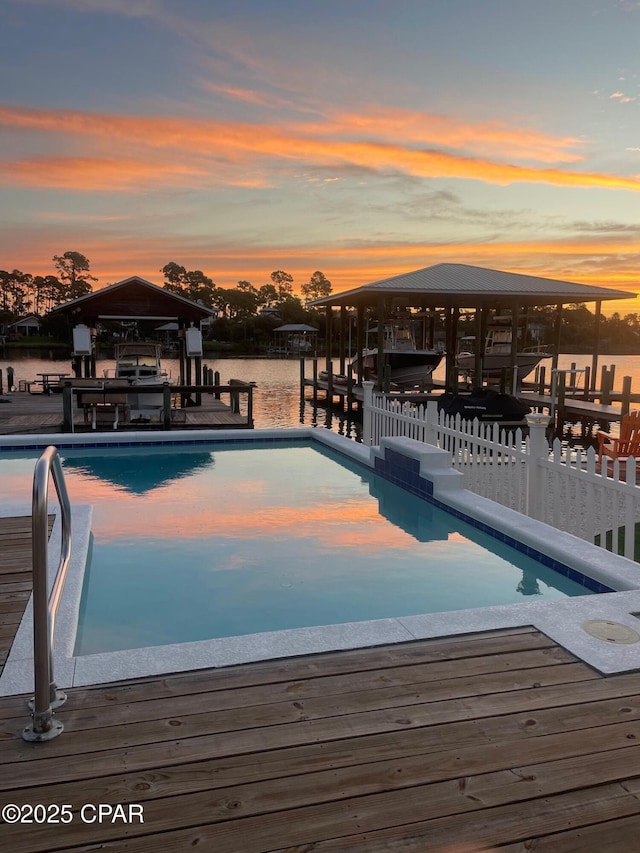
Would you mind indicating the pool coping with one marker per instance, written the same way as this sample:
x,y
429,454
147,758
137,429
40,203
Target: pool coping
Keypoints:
x,y
421,468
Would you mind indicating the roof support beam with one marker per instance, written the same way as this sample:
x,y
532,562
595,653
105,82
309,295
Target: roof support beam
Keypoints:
x,y
596,346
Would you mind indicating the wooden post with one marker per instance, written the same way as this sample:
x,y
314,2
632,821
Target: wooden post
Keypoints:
x,y
626,395
479,347
513,356
542,380
250,407
216,381
380,359
432,328
302,378
349,387
587,382
234,396
166,405
198,378
360,342
596,345
386,382
329,381
605,386
367,431
561,389
603,381
557,333
67,408
315,380
329,315
343,329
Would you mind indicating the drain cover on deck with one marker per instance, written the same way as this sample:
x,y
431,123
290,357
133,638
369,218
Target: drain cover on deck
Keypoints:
x,y
611,632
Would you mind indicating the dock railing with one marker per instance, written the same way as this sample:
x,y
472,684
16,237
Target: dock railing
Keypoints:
x,y
72,395
47,697
564,487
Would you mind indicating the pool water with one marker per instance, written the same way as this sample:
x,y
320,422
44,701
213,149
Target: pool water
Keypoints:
x,y
221,540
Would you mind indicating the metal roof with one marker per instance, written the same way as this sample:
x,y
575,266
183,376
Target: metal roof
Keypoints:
x,y
463,286
295,327
135,297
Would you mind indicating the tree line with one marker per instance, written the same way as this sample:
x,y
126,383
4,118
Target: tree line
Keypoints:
x,y
242,309
22,293
246,300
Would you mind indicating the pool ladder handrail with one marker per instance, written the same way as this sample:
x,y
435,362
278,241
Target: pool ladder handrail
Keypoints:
x,y
45,605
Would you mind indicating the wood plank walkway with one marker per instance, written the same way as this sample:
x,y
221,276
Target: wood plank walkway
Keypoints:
x,y
499,741
15,577
574,406
42,413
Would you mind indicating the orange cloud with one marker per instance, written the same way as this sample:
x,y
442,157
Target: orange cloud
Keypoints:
x,y
238,144
86,174
428,128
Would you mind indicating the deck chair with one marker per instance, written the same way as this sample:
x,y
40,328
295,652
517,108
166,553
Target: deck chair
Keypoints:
x,y
626,444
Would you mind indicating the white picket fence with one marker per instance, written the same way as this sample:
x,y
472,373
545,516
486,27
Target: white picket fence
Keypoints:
x,y
564,488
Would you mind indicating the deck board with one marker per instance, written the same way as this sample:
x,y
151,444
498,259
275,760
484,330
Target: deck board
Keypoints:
x,y
15,576
42,413
501,740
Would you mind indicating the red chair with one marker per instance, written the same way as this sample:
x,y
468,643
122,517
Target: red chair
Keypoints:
x,y
626,444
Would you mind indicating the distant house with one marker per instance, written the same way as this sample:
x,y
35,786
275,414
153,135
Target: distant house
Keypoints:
x,y
295,339
25,327
270,312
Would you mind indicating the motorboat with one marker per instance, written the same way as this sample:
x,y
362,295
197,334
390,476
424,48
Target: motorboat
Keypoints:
x,y
497,354
409,366
485,405
139,364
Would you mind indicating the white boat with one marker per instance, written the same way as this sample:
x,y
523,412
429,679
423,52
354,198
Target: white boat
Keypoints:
x,y
409,366
497,354
139,364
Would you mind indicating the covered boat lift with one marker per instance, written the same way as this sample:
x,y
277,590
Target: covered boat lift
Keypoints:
x,y
448,289
136,298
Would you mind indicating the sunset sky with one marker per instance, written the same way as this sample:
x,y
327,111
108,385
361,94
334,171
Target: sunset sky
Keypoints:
x,y
363,138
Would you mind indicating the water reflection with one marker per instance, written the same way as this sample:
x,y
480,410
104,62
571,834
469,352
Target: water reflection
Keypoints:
x,y
126,469
529,584
313,413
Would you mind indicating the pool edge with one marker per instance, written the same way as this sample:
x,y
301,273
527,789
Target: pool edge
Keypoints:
x,y
560,620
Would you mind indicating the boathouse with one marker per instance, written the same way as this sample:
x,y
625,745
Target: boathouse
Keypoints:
x,y
447,290
137,299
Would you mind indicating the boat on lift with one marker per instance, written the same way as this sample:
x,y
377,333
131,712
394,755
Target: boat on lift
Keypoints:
x,y
139,364
497,353
409,366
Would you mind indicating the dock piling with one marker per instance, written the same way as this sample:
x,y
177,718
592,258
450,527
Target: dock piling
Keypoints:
x,y
625,403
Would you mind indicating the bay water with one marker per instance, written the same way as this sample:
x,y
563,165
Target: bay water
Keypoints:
x,y
277,399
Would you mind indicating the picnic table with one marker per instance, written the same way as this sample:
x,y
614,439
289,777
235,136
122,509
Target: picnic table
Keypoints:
x,y
50,379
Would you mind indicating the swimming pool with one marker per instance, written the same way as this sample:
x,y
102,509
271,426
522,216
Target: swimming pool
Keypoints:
x,y
250,546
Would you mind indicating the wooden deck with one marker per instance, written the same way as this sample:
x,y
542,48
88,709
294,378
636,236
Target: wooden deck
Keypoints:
x,y
574,406
499,741
21,412
15,577
496,741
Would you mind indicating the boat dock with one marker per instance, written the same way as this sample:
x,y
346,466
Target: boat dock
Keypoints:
x,y
23,412
566,403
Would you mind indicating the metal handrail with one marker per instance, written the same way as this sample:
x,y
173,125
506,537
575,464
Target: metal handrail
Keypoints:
x,y
47,696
